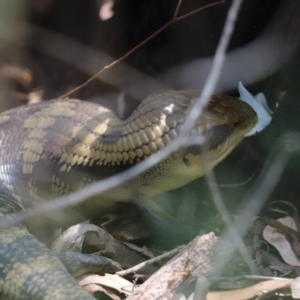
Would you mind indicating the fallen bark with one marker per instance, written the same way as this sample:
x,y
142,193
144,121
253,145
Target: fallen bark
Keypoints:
x,y
201,257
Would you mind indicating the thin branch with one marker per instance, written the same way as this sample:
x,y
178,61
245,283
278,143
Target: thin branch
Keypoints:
x,y
177,9
150,262
208,89
231,185
232,230
216,68
248,277
265,184
171,22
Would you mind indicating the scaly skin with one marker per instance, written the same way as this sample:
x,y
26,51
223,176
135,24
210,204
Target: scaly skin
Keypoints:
x,y
55,147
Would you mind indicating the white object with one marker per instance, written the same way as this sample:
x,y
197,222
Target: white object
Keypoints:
x,y
260,106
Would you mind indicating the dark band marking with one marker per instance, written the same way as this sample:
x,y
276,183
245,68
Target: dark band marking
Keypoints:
x,y
111,138
194,149
217,135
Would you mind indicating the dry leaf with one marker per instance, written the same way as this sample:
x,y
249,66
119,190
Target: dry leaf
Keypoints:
x,y
108,280
280,242
250,292
93,288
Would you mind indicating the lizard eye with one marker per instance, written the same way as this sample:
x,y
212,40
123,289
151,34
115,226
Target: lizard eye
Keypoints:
x,y
186,162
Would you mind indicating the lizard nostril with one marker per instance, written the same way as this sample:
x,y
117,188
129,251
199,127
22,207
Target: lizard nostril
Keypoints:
x,y
234,124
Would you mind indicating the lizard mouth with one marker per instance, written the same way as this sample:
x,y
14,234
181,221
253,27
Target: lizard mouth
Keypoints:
x,y
222,139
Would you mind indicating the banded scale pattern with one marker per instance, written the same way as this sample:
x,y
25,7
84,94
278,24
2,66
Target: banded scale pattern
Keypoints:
x,y
57,147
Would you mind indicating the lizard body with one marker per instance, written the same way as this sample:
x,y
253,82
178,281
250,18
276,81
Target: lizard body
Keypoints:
x,y
56,147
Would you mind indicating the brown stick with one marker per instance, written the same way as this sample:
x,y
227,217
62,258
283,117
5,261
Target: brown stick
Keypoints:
x,y
171,22
198,258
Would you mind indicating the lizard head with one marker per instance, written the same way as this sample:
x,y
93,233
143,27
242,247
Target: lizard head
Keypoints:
x,y
223,123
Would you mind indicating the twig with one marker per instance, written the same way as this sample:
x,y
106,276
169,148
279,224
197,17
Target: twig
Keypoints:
x,y
265,184
177,9
232,230
230,185
248,277
216,68
197,110
293,208
207,91
149,262
171,22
